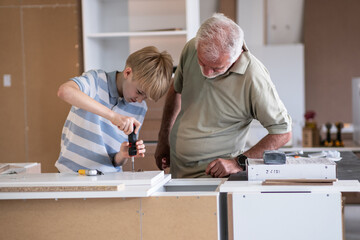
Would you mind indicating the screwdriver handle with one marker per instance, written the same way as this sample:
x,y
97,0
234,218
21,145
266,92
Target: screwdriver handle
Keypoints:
x,y
132,143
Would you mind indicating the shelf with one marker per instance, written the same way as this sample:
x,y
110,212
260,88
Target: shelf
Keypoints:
x,y
137,34
112,29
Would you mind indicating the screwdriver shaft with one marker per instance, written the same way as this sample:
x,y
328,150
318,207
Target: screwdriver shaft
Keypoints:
x,y
133,164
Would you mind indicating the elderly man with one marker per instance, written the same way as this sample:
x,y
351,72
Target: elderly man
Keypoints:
x,y
219,88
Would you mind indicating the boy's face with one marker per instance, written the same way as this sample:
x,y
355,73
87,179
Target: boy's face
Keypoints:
x,y
132,91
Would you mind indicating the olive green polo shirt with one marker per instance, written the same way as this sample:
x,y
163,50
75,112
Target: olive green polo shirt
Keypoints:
x,y
215,115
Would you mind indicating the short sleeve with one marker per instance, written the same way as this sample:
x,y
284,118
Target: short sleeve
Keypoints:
x,y
179,78
267,106
87,82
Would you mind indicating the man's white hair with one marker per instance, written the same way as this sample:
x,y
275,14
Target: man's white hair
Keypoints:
x,y
220,35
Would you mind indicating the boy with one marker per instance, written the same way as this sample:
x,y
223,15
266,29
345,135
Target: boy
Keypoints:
x,y
106,107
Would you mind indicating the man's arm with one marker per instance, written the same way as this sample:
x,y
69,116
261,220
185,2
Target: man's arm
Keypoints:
x,y
70,93
171,110
224,167
269,142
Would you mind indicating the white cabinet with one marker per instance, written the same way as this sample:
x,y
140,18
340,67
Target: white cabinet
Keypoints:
x,y
112,29
286,215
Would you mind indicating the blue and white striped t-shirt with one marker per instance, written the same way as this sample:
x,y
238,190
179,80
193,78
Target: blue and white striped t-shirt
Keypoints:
x,y
90,141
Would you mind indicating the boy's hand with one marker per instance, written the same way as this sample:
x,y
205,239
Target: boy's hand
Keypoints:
x,y
125,124
123,154
140,147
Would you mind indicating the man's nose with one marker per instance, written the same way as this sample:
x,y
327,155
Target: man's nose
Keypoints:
x,y
208,71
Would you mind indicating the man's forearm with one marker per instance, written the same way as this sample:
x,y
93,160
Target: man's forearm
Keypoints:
x,y
171,110
269,142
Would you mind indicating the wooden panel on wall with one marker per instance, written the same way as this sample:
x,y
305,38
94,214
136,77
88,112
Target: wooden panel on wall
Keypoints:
x,y
183,217
12,120
51,58
111,218
228,8
332,57
9,3
46,2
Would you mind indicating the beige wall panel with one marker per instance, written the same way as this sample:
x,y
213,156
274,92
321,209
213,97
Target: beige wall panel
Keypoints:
x,y
10,2
185,217
151,126
70,219
150,129
332,57
12,120
155,109
47,2
51,58
228,8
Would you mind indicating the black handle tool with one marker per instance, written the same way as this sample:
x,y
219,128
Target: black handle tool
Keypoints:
x,y
132,147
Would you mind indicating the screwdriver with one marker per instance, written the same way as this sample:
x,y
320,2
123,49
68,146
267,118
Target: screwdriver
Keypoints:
x,y
132,147
90,172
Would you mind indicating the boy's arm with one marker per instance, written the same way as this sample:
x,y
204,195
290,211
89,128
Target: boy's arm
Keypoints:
x,y
171,110
70,93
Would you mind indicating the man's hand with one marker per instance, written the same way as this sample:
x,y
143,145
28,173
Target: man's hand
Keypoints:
x,y
125,124
223,167
162,155
123,154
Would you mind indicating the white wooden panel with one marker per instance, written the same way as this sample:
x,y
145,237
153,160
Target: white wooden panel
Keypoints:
x,y
74,179
129,191
256,186
284,216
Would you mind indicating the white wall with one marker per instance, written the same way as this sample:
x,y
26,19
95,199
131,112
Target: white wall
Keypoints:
x,y
271,21
284,21
250,17
207,9
273,33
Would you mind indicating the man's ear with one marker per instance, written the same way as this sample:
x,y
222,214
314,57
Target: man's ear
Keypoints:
x,y
127,71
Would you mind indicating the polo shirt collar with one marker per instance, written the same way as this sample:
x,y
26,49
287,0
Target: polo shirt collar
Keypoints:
x,y
242,63
112,84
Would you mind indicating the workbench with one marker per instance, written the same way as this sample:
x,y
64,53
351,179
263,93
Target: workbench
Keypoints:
x,y
151,205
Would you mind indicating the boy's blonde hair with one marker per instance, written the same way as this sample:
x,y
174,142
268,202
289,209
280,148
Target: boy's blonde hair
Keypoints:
x,y
152,70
